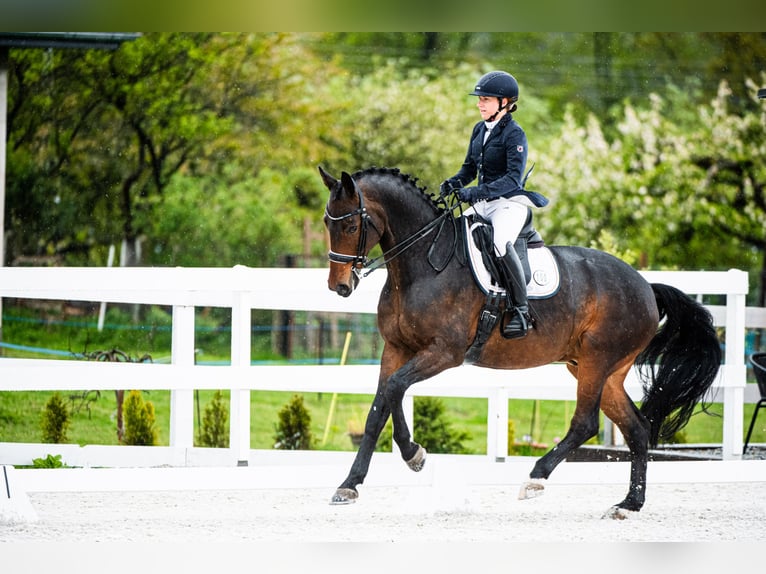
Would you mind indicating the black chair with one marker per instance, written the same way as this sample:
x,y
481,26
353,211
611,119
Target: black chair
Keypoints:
x,y
758,360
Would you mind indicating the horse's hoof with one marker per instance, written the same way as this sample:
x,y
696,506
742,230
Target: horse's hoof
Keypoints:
x,y
418,461
344,496
533,488
617,513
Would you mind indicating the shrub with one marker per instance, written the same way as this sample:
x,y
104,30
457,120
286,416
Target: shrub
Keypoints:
x,y
433,431
293,431
139,421
55,420
215,430
50,461
511,436
386,438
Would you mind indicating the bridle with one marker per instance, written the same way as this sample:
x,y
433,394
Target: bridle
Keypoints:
x,y
360,261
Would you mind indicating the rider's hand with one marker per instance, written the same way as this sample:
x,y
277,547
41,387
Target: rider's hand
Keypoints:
x,y
466,194
446,188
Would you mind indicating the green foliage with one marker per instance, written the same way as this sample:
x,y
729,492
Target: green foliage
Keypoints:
x,y
205,145
215,430
50,461
23,408
55,420
293,431
434,431
670,190
386,439
139,420
252,222
679,437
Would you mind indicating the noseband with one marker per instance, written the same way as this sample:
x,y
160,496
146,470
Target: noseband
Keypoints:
x,y
359,260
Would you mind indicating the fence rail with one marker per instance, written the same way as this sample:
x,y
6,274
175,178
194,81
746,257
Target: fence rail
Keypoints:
x,y
243,289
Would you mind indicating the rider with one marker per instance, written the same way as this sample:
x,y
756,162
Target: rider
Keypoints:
x,y
497,154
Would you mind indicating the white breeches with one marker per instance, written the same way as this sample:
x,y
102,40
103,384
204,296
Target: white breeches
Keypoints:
x,y
507,216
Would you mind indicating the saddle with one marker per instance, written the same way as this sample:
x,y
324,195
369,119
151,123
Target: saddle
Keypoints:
x,y
541,272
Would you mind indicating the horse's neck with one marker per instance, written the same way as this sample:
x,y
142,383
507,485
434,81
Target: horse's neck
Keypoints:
x,y
412,264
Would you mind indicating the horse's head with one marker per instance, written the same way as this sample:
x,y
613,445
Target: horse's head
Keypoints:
x,y
353,232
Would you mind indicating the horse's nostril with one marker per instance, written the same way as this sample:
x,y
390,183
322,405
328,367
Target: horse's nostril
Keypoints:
x,y
343,290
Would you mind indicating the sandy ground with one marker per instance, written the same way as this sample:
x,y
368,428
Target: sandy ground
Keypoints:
x,y
566,513
391,530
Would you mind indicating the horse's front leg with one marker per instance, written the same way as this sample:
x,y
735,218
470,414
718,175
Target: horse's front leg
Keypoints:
x,y
376,421
423,366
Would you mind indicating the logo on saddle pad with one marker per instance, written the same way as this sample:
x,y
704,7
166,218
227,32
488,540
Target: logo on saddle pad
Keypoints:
x,y
543,269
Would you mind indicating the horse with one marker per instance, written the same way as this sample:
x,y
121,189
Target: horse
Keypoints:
x,y
604,319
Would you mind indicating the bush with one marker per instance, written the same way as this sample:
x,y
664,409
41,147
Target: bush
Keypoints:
x,y
293,431
215,430
55,420
50,461
433,431
386,439
139,421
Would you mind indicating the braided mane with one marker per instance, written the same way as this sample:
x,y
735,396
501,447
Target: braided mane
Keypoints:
x,y
407,179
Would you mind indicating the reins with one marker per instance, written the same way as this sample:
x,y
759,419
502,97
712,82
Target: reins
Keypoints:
x,y
361,261
401,247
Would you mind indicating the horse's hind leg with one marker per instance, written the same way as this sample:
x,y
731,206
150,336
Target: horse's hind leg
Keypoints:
x,y
618,406
583,426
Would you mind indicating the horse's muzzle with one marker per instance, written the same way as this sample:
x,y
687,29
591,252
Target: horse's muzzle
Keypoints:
x,y
344,288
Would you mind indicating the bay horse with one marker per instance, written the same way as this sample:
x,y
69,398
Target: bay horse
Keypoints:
x,y
604,318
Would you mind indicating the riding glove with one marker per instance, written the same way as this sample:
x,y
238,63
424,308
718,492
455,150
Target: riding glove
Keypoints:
x,y
467,194
446,188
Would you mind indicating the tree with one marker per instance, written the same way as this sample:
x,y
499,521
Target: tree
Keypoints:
x,y
204,147
733,161
115,128
683,184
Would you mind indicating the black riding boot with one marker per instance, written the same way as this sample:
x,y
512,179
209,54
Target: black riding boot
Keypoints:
x,y
518,313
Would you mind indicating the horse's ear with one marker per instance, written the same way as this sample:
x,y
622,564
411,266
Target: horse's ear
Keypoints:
x,y
349,185
329,181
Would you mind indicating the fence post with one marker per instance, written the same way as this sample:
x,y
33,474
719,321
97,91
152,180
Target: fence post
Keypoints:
x,y
239,419
182,400
734,366
497,424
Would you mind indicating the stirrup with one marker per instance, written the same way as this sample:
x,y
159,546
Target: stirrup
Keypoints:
x,y
517,326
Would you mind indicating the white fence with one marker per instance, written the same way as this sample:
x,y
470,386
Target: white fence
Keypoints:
x,y
243,289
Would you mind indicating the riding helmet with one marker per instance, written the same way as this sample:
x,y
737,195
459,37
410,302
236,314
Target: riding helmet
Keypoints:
x,y
498,84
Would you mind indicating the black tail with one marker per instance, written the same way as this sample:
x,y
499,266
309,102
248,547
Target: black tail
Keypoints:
x,y
680,363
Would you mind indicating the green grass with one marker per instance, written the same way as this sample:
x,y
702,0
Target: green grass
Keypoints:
x,y
20,411
20,418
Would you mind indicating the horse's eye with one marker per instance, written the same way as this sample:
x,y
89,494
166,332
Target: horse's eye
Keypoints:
x,y
352,229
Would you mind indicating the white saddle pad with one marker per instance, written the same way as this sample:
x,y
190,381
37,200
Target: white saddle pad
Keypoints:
x,y
545,271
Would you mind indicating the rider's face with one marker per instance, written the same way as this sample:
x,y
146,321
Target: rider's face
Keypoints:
x,y
488,105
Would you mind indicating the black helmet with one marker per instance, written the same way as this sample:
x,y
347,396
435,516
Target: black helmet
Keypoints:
x,y
497,84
